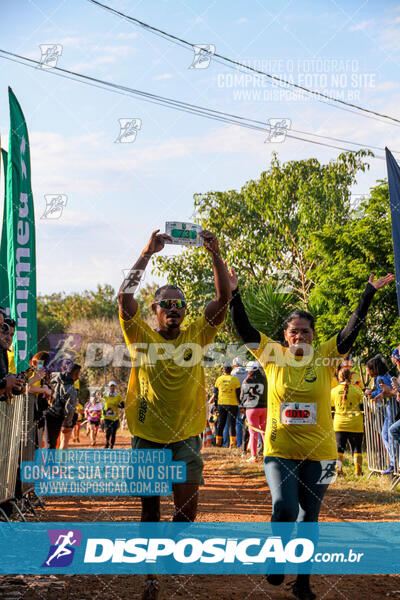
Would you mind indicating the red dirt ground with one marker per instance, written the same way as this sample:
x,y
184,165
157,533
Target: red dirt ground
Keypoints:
x,y
227,496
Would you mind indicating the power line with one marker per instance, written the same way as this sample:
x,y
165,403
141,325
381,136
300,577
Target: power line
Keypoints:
x,y
234,67
242,65
175,104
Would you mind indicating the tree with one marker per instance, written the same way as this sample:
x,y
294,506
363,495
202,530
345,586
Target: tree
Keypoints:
x,y
57,311
267,306
265,229
345,255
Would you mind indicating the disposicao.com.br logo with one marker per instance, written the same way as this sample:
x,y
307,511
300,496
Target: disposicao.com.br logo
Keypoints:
x,y
193,550
200,548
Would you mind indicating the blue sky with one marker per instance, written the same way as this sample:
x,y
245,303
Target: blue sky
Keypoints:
x,y
118,193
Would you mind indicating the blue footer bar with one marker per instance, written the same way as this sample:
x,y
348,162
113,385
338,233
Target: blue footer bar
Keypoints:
x,y
200,548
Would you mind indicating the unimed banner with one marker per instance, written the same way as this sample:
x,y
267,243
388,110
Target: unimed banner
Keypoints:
x,y
20,225
4,299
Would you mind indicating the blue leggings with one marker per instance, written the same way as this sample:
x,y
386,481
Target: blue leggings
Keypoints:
x,y
297,487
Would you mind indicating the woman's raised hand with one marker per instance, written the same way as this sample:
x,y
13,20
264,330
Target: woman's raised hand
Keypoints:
x,y
232,277
380,283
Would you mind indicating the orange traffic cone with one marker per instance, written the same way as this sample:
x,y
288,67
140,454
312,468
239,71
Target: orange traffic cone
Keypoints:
x,y
207,436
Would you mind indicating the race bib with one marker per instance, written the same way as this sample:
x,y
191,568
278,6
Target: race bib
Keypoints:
x,y
110,412
298,413
184,234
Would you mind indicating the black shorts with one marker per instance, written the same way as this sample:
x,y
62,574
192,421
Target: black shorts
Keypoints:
x,y
354,438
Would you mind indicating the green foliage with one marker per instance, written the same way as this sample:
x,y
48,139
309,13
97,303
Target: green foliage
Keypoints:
x,y
267,308
345,256
56,311
145,298
265,229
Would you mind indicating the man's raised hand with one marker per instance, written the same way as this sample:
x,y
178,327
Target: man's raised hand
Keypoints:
x,y
156,243
210,242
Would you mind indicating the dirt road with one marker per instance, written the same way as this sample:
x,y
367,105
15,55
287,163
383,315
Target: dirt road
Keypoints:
x,y
234,491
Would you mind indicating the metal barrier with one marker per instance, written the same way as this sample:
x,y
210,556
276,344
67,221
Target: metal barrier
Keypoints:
x,y
376,417
28,436
10,438
28,444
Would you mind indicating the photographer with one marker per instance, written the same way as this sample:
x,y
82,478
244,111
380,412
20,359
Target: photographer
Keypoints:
x,y
10,384
61,413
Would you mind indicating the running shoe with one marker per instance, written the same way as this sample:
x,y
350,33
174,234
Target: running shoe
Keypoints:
x,y
252,459
389,470
152,590
275,578
302,591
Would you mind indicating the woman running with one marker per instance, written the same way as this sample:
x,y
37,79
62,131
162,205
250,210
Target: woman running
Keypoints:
x,y
93,412
253,398
347,402
300,448
378,369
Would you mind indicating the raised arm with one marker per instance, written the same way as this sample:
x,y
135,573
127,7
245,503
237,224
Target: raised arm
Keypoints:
x,y
348,335
126,301
216,309
246,332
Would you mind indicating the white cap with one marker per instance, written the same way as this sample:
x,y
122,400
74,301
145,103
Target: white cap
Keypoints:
x,y
237,362
112,383
252,365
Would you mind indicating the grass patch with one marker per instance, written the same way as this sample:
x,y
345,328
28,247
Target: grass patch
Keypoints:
x,y
372,496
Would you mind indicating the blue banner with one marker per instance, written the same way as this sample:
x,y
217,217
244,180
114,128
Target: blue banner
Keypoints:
x,y
394,193
200,548
98,473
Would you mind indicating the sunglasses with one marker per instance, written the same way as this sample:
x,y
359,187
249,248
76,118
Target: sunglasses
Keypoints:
x,y
170,303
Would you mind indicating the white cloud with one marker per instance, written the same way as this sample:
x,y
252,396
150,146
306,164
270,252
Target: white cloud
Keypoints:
x,y
73,42
387,86
162,77
125,36
360,26
241,20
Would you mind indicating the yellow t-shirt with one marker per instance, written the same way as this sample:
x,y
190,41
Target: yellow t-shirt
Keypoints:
x,y
227,386
110,409
11,361
355,380
348,416
80,411
299,422
166,398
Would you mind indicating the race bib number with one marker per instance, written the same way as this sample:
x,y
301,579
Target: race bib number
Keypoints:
x,y
110,412
298,413
184,234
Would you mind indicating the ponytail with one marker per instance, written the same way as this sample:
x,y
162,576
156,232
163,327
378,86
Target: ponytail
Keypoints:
x,y
345,376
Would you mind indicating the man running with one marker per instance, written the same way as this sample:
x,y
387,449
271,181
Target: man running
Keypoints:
x,y
166,400
110,415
